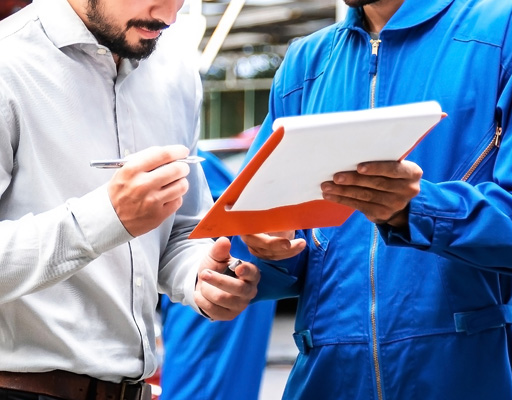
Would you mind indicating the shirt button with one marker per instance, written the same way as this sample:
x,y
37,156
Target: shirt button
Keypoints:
x,y
138,282
102,51
127,152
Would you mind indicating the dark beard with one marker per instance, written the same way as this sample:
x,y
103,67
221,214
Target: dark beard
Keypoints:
x,y
115,39
359,3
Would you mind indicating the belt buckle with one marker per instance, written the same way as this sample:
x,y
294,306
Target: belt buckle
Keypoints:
x,y
135,391
145,391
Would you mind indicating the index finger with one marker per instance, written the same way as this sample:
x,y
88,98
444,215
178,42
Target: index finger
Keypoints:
x,y
248,276
391,169
247,272
263,241
272,247
153,157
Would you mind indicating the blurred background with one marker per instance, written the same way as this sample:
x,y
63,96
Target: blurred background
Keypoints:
x,y
242,46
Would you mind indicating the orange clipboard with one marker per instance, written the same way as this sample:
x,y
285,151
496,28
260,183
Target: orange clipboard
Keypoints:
x,y
222,221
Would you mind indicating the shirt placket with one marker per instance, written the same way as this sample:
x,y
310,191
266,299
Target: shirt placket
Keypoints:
x,y
127,146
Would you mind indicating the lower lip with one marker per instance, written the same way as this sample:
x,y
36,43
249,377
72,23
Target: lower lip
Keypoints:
x,y
148,34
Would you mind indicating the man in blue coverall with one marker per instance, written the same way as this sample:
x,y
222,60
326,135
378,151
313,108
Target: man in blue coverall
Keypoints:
x,y
411,297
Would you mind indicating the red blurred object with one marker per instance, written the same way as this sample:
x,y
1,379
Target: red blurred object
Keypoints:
x,y
154,381
8,7
231,150
240,142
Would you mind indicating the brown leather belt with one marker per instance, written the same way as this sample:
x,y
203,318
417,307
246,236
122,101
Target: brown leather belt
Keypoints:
x,y
69,386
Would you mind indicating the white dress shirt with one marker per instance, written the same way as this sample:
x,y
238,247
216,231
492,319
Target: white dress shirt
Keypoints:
x,y
77,291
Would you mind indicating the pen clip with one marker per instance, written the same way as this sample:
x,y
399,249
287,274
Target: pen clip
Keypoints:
x,y
191,159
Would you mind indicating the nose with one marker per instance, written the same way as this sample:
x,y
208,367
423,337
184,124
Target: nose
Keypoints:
x,y
166,10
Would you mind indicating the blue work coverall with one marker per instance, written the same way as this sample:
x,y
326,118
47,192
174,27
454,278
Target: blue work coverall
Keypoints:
x,y
423,313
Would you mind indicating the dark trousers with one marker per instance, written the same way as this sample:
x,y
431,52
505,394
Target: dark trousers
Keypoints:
x,y
15,395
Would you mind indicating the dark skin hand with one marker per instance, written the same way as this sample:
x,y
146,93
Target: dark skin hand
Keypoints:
x,y
274,246
380,190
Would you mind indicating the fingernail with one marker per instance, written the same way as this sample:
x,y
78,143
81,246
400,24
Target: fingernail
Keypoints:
x,y
339,178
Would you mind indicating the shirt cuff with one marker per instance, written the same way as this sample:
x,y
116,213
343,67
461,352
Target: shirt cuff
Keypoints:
x,y
427,224
98,220
189,288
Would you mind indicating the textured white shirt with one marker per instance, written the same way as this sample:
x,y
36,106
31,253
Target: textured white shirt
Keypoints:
x,y
77,291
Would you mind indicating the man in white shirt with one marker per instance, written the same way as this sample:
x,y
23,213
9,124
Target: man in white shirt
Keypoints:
x,y
85,251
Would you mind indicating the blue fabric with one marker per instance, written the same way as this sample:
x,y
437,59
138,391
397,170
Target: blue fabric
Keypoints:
x,y
381,304
217,175
206,360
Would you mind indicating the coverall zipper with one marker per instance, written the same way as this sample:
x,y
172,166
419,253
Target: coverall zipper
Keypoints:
x,y
373,303
495,143
315,239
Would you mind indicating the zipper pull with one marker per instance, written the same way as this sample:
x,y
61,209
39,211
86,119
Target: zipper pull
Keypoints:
x,y
375,46
373,59
497,136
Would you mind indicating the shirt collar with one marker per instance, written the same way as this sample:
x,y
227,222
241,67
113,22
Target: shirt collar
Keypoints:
x,y
64,28
410,14
62,24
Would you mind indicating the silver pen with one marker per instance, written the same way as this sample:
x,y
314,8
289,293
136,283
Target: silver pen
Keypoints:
x,y
118,163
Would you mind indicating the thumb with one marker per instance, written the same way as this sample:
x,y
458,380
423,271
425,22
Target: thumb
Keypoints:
x,y
290,235
219,255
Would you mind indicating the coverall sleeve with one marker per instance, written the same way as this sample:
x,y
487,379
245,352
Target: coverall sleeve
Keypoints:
x,y
469,221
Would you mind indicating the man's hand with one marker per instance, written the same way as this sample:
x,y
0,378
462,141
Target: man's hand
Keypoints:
x,y
220,296
274,246
380,190
149,187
